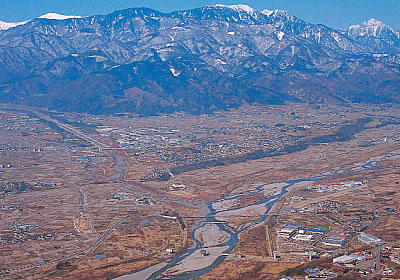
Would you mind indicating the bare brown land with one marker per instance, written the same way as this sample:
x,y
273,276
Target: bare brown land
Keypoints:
x,y
96,197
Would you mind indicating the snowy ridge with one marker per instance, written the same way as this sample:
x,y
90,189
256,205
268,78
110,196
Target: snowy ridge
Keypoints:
x,y
8,25
57,16
54,16
239,8
275,12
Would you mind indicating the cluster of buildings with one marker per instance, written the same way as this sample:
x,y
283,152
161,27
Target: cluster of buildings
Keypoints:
x,y
351,260
10,207
300,234
319,274
325,237
209,141
335,187
157,173
22,121
125,196
146,139
83,160
143,200
380,259
300,242
329,206
22,232
365,263
19,187
392,253
15,187
176,187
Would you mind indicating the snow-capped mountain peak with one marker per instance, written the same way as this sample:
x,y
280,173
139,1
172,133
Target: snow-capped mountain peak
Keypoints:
x,y
267,12
57,16
372,23
372,27
8,25
239,8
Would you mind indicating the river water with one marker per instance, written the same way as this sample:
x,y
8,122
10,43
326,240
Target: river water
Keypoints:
x,y
154,272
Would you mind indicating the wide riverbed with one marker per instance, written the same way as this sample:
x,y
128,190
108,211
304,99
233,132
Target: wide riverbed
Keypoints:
x,y
217,238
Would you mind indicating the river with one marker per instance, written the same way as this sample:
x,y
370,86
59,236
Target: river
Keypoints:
x,y
226,247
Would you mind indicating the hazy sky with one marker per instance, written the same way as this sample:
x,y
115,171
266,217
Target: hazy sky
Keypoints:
x,y
334,13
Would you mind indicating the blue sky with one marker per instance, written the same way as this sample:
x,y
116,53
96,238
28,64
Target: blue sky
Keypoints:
x,y
334,13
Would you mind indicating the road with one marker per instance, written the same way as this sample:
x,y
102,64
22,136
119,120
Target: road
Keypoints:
x,y
377,259
91,246
376,252
63,126
73,130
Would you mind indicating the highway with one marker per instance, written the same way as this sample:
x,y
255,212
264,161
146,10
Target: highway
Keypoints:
x,y
73,130
66,127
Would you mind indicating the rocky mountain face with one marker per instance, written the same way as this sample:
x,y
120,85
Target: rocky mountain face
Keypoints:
x,y
200,60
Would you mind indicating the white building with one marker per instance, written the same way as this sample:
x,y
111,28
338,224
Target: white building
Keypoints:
x,y
303,237
287,231
335,242
345,259
368,239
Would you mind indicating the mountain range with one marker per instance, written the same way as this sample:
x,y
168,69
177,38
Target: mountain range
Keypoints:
x,y
144,61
